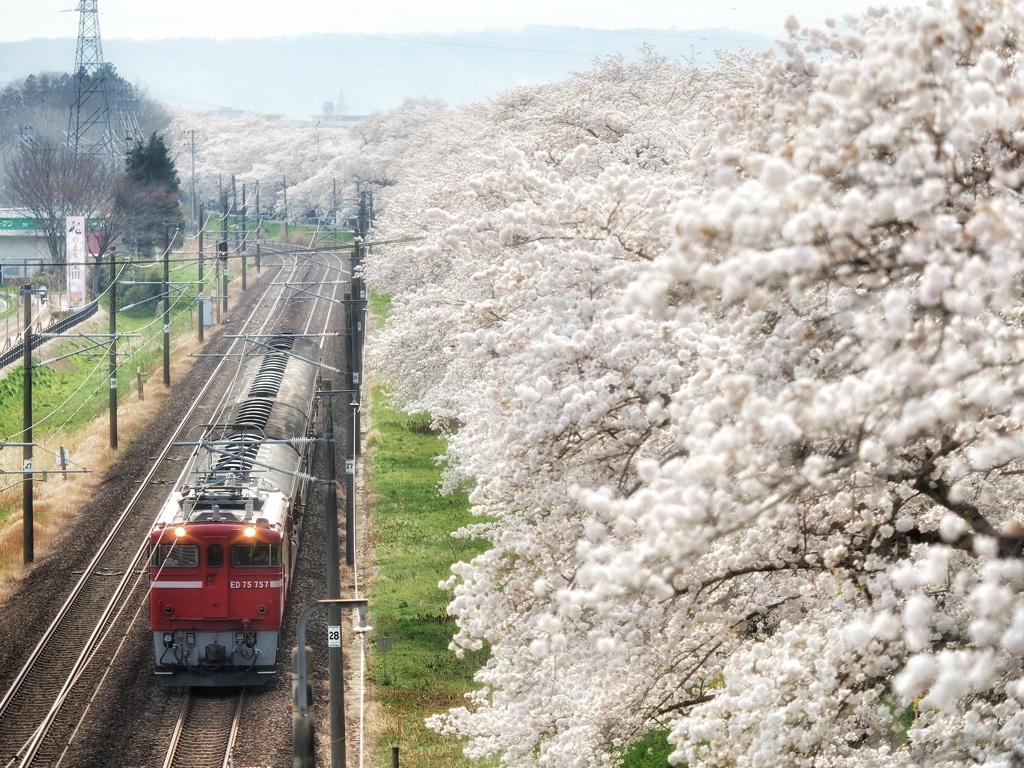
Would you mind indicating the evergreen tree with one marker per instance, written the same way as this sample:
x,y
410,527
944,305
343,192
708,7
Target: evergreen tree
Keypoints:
x,y
150,162
149,194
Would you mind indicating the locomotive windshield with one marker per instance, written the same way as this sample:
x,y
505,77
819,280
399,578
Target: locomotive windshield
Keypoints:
x,y
255,555
175,556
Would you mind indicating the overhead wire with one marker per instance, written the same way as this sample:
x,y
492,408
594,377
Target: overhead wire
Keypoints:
x,y
123,361
70,397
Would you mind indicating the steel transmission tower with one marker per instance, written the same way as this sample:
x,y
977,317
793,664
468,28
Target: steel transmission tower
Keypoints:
x,y
93,118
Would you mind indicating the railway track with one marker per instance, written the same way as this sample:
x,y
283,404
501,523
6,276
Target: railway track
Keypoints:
x,y
30,710
204,735
51,695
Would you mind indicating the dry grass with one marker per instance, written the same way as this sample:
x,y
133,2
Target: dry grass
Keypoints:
x,y
372,439
57,501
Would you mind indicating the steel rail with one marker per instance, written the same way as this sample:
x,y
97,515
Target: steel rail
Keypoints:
x,y
216,738
179,728
31,748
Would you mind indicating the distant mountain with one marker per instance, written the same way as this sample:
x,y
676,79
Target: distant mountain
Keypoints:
x,y
295,76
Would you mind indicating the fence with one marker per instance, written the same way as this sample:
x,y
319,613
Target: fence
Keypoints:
x,y
16,352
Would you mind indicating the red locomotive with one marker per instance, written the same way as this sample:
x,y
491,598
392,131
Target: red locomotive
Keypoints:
x,y
223,547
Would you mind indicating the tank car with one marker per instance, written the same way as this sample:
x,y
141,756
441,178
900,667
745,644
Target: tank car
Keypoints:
x,y
222,549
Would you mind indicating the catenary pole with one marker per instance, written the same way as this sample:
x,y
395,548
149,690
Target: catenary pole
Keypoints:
x,y
195,221
258,220
234,210
28,548
200,299
245,238
113,349
335,657
224,255
284,184
350,427
167,305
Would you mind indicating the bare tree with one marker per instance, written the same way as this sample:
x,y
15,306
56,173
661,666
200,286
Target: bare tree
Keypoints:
x,y
50,183
128,204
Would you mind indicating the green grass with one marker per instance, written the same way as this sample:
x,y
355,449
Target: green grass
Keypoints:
x,y
299,234
651,751
10,295
70,384
380,306
77,385
413,552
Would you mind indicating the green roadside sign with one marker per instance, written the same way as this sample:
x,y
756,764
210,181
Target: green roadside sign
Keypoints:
x,y
10,223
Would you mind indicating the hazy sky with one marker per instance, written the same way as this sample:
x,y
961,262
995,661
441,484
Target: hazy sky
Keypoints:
x,y
146,19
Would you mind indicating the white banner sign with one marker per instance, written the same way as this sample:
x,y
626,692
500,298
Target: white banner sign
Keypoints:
x,y
76,261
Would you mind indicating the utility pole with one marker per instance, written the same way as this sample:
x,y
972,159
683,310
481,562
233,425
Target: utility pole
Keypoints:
x,y
351,428
245,238
358,310
195,221
284,184
350,483
234,209
113,349
200,299
223,248
224,287
302,722
335,658
244,211
27,524
216,287
258,220
224,215
167,305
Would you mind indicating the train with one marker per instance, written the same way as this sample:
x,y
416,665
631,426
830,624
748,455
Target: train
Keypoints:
x,y
222,549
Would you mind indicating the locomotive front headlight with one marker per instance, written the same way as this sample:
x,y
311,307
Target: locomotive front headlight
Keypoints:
x,y
249,531
179,531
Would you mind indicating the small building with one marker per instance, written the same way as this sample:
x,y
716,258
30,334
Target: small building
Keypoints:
x,y
23,250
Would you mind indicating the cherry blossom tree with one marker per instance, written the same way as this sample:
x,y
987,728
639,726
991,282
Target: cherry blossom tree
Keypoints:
x,y
447,220
859,253
741,412
255,150
517,297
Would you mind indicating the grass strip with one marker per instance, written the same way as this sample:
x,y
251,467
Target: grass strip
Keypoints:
x,y
72,392
413,550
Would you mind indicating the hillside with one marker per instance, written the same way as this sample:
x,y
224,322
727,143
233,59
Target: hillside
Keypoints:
x,y
294,76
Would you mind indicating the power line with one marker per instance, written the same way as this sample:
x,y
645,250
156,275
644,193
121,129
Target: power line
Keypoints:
x,y
302,14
